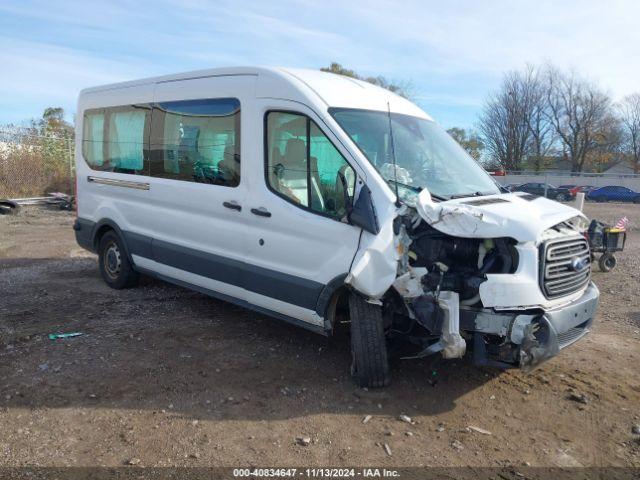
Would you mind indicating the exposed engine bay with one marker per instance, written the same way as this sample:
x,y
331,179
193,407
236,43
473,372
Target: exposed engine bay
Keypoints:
x,y
452,291
452,263
438,274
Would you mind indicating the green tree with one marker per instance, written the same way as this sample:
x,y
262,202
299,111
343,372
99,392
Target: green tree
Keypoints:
x,y
469,140
53,124
400,88
56,142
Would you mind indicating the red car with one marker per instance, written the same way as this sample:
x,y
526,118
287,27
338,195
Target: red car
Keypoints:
x,y
574,189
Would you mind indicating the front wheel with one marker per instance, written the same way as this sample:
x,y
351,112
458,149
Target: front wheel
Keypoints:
x,y
370,365
562,197
115,267
607,262
600,199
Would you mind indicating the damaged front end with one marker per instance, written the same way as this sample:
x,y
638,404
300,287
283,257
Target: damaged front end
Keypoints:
x,y
475,273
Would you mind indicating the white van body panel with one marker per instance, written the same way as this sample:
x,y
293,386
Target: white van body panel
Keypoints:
x,y
297,242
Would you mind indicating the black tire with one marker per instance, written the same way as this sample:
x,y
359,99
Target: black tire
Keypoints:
x,y
562,197
636,200
607,262
7,207
370,365
115,267
600,199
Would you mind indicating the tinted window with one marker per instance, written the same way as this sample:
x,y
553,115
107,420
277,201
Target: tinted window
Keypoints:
x,y
115,138
93,139
197,141
303,166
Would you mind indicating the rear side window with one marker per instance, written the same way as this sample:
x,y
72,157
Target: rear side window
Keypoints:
x,y
304,167
93,139
197,141
115,139
126,140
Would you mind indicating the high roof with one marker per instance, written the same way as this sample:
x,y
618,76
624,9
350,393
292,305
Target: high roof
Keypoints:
x,y
329,89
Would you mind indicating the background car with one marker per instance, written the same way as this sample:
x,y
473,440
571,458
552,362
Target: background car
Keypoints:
x,y
552,192
613,193
574,189
586,188
511,186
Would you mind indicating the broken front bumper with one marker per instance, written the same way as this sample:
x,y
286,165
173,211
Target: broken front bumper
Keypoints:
x,y
539,337
559,328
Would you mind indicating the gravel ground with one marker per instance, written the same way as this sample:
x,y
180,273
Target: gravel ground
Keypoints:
x,y
163,376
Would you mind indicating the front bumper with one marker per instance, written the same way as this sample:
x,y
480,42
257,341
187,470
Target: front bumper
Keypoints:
x,y
533,338
557,329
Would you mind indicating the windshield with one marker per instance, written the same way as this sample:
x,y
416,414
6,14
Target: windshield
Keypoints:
x,y
426,156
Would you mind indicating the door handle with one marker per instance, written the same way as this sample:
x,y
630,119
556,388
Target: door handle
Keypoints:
x,y
261,212
232,205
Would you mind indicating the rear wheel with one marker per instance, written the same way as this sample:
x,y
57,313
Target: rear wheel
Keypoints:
x,y
600,199
115,267
637,199
370,365
8,207
607,262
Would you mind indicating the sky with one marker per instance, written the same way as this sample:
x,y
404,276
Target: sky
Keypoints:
x,y
453,53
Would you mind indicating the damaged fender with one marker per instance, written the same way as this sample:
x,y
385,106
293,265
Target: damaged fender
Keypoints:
x,y
376,264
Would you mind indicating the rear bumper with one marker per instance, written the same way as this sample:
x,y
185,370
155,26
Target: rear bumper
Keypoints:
x,y
84,230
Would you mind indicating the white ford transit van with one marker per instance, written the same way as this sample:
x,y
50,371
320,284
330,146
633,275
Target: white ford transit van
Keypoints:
x,y
314,197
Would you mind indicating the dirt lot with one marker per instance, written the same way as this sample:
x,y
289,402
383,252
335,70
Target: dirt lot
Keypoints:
x,y
167,377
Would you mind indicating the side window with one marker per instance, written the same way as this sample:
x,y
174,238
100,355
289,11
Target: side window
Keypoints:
x,y
304,167
197,141
115,139
126,140
93,139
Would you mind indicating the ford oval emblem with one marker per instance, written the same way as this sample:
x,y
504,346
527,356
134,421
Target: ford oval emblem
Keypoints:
x,y
578,264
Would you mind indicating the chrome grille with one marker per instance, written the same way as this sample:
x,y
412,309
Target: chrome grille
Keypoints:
x,y
565,266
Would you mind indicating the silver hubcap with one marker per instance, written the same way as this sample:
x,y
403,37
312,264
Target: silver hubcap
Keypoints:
x,y
112,261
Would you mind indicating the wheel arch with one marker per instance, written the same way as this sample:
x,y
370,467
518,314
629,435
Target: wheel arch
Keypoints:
x,y
103,226
329,298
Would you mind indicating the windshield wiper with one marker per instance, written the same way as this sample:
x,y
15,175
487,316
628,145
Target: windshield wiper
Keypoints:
x,y
400,184
418,190
474,194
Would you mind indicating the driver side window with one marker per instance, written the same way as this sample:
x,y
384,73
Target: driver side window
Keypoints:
x,y
304,167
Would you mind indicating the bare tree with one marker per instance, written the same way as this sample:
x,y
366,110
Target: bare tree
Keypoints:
x,y
629,112
506,122
543,137
580,114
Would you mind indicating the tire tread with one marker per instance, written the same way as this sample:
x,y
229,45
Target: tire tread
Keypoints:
x,y
368,344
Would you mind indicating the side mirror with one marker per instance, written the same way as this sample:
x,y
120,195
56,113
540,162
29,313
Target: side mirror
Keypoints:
x,y
363,212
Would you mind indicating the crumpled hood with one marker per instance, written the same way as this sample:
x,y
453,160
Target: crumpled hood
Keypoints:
x,y
523,218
